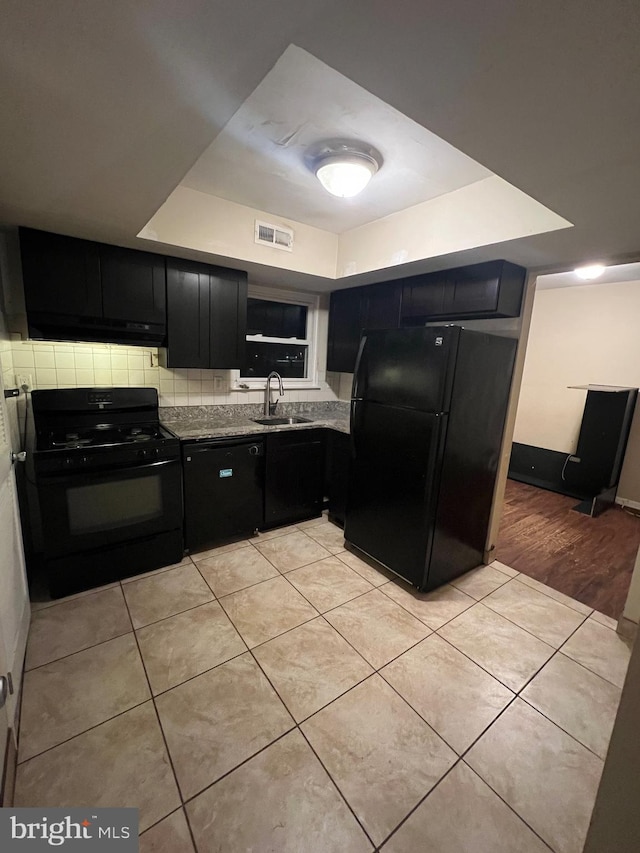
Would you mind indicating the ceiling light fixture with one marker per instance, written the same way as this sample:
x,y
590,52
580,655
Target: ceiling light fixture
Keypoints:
x,y
344,167
590,272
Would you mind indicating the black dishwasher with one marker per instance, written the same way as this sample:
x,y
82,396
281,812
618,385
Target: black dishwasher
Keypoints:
x,y
223,490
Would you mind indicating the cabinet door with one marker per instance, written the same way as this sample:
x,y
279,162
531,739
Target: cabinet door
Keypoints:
x,y
187,314
346,322
228,319
423,296
473,290
294,481
61,274
382,307
337,473
133,285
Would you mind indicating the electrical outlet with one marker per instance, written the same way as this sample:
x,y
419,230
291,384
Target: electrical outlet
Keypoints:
x,y
218,383
24,379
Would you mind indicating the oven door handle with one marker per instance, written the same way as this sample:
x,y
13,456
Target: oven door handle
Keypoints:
x,y
80,472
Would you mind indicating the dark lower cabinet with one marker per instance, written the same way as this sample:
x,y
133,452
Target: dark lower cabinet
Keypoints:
x,y
337,474
294,479
223,490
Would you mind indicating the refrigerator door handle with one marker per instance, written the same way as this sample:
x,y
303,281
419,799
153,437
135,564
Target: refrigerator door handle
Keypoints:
x,y
356,372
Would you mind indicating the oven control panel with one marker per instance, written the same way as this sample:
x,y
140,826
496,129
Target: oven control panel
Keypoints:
x,y
100,397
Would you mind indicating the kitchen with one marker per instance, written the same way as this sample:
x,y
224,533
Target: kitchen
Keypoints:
x,y
289,276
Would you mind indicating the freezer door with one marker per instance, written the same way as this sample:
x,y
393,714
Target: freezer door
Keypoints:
x,y
395,458
412,368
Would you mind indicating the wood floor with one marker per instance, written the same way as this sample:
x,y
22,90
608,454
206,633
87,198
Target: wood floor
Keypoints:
x,y
590,559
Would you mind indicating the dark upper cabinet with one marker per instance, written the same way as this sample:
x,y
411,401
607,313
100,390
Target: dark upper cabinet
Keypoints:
x,y
61,275
376,306
83,291
345,325
294,479
133,285
423,295
477,291
207,315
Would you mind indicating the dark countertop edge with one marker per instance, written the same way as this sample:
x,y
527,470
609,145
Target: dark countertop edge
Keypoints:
x,y
249,428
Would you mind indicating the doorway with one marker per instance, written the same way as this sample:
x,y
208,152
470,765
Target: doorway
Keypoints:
x,y
582,333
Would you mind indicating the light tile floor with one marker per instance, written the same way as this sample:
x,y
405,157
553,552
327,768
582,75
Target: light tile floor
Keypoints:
x,y
280,693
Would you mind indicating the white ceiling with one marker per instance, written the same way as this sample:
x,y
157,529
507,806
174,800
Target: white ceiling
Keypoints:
x,y
107,106
258,158
611,275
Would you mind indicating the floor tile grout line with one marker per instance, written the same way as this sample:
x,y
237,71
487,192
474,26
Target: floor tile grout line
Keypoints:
x,y
559,650
473,602
180,613
78,651
526,630
421,801
198,674
592,671
551,720
84,731
395,657
177,613
540,592
159,721
244,761
432,727
507,804
484,668
543,592
70,599
338,789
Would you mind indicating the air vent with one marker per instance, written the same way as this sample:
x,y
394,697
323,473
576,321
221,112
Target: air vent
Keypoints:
x,y
275,236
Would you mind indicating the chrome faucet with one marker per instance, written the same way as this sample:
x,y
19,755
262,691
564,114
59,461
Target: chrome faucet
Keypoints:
x,y
269,407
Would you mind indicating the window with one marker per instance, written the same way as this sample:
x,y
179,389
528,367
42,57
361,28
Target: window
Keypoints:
x,y
281,332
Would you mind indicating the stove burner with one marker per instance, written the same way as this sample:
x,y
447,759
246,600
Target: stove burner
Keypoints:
x,y
71,440
137,437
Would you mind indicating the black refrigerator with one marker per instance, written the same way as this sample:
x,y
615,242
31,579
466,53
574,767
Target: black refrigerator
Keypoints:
x,y
427,417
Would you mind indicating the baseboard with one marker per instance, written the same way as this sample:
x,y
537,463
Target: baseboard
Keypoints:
x,y
626,502
627,628
538,466
8,780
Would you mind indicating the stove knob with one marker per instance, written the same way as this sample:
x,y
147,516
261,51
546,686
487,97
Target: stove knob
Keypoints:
x,y
68,462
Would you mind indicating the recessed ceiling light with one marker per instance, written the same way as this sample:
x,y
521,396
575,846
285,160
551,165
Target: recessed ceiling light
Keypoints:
x,y
590,271
343,167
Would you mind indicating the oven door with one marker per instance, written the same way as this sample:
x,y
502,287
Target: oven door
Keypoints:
x,y
93,509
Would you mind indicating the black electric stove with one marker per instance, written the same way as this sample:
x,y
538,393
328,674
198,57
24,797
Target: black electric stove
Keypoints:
x,y
105,486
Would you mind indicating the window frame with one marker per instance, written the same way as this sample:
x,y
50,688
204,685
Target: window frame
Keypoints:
x,y
311,302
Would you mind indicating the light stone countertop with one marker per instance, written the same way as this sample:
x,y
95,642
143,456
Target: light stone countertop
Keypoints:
x,y
202,422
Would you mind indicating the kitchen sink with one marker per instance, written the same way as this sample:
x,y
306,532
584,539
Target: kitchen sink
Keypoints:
x,y
277,421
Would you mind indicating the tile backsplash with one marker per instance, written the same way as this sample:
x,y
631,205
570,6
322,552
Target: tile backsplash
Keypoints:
x,y
51,364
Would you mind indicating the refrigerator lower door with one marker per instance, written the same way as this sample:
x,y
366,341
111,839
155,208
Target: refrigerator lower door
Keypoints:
x,y
395,459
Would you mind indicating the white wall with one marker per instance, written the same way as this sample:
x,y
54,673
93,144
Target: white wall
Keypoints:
x,y
580,335
52,364
196,220
480,214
